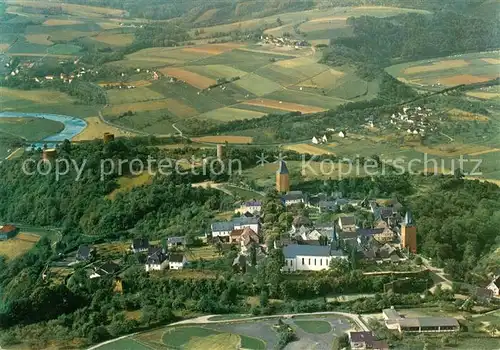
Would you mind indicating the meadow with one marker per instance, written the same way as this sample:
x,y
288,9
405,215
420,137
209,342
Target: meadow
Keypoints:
x,y
32,129
444,72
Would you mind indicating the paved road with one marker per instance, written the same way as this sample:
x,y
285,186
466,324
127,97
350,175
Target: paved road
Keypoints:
x,y
206,320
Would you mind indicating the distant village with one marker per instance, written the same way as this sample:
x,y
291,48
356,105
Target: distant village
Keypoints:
x,y
282,41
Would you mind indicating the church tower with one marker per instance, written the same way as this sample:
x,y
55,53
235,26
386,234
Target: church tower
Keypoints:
x,y
409,233
282,178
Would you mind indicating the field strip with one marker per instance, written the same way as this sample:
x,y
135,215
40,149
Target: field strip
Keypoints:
x,y
10,156
271,53
308,149
436,66
40,54
194,79
491,60
485,152
285,106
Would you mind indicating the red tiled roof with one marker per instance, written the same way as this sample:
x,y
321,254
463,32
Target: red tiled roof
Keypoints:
x,y
7,228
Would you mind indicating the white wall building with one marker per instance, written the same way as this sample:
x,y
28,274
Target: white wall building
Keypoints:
x,y
309,257
177,261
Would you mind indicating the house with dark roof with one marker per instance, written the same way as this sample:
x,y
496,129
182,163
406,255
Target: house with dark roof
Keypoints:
x,y
177,241
8,231
347,223
309,257
494,286
140,245
157,259
177,261
366,340
108,268
85,253
293,197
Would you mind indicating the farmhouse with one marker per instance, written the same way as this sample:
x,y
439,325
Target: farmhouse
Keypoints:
x,y
177,261
253,207
494,286
8,231
156,260
224,229
347,223
177,241
393,320
140,245
85,253
309,257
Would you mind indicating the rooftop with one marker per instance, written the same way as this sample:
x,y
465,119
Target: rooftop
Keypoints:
x,y
294,250
282,168
361,337
293,195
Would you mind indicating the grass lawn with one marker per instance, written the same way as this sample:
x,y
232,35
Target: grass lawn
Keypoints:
x,y
179,336
205,253
252,343
127,183
314,327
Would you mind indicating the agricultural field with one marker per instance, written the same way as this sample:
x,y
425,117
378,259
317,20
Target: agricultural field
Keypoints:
x,y
33,129
449,71
229,114
223,139
114,39
486,93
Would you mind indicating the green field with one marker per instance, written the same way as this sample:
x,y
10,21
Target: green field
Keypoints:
x,y
125,344
305,98
228,114
444,72
32,129
64,49
314,327
138,94
243,60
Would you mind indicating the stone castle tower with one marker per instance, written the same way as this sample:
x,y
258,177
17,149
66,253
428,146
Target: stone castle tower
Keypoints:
x,y
409,233
282,178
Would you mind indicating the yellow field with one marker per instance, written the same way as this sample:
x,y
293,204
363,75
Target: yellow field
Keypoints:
x,y
194,79
39,96
115,39
4,47
15,247
454,149
323,80
60,22
41,39
285,106
140,106
464,79
303,148
180,109
137,83
82,10
458,114
437,66
484,95
212,49
485,152
223,139
96,128
127,183
491,60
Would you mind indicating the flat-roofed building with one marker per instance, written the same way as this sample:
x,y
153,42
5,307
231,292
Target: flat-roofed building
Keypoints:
x,y
428,325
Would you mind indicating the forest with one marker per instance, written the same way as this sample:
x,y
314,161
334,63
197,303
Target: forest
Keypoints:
x,y
378,41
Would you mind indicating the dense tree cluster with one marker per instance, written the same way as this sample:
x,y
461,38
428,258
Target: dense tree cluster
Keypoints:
x,y
377,41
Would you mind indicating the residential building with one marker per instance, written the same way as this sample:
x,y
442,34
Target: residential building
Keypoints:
x,y
494,286
243,222
246,239
347,223
235,235
85,253
386,235
252,207
222,229
309,257
177,241
140,245
366,340
282,178
156,260
327,206
8,231
177,261
293,197
409,234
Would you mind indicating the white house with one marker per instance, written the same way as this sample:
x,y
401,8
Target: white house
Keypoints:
x,y
177,261
494,286
223,229
253,207
157,259
293,197
342,134
315,140
309,257
324,139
